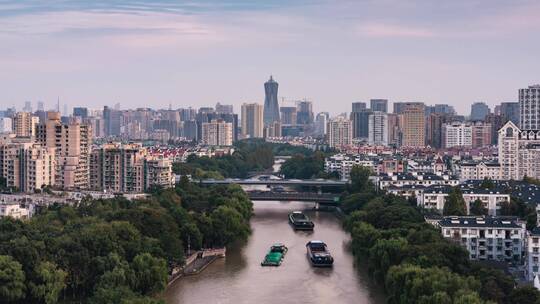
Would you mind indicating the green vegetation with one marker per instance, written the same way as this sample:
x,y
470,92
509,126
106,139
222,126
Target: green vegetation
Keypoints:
x,y
411,258
115,250
455,204
478,208
306,166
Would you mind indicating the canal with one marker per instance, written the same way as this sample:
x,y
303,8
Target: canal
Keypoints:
x,y
239,278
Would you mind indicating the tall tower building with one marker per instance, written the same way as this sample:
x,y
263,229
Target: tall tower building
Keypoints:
x,y
252,120
510,111
288,116
271,107
321,123
378,128
339,132
360,119
413,124
529,108
380,105
304,112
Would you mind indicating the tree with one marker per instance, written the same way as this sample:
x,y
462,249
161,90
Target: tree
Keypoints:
x,y
478,208
384,254
12,278
527,294
228,225
455,204
51,282
360,179
150,274
487,184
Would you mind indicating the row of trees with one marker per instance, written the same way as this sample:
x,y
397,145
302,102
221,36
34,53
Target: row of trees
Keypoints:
x,y
115,250
308,166
411,258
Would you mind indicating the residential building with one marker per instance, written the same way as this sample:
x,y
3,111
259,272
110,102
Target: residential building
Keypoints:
x,y
481,134
413,125
359,106
457,134
27,166
378,128
487,238
394,129
533,254
273,130
320,123
217,133
529,108
519,152
80,112
16,210
435,198
435,129
479,171
342,164
416,179
510,111
339,132
6,125
72,143
496,121
360,120
24,124
271,107
304,112
252,120
224,109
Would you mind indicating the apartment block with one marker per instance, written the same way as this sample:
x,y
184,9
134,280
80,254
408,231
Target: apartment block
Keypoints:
x,y
24,124
435,198
519,152
217,133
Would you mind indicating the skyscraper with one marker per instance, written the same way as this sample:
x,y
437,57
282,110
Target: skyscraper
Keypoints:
x,y
380,105
271,107
288,115
378,128
339,132
414,124
252,120
320,123
304,112
217,133
358,106
224,108
359,119
24,124
529,108
510,111
479,111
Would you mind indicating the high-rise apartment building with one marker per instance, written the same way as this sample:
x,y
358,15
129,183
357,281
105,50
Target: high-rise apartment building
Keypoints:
x,y
360,120
288,116
380,105
252,120
339,132
273,130
394,129
80,112
519,152
529,108
6,125
434,132
358,106
24,124
457,134
378,128
113,121
271,106
304,112
479,111
27,166
72,143
121,168
321,121
217,133
481,134
414,127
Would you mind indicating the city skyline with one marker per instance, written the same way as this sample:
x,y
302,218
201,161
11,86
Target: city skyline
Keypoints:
x,y
162,53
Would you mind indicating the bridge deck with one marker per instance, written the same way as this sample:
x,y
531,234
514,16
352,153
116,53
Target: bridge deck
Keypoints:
x,y
276,182
323,198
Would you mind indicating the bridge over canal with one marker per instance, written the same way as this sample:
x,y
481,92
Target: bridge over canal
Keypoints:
x,y
320,198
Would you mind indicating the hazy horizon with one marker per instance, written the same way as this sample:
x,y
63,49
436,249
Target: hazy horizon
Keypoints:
x,y
156,53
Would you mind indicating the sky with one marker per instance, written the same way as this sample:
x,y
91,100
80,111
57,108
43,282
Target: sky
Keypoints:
x,y
332,52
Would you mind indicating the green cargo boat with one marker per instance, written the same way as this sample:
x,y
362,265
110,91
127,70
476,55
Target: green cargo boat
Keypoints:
x,y
275,255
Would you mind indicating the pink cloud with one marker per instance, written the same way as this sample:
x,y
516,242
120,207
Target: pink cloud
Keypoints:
x,y
389,30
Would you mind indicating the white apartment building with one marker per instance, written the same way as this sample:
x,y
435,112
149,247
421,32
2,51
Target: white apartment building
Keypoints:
x,y
378,129
479,171
487,238
6,125
415,179
217,133
252,120
24,124
15,210
435,198
457,134
533,254
519,152
529,108
339,132
342,164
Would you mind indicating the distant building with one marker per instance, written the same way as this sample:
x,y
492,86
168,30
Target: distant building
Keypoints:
x,y
271,106
304,112
80,112
378,128
413,125
380,105
510,111
320,123
6,125
112,121
339,132
481,134
273,130
436,197
496,122
479,171
479,110
288,116
360,120
252,120
394,129
217,133
224,109
359,106
529,108
533,254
